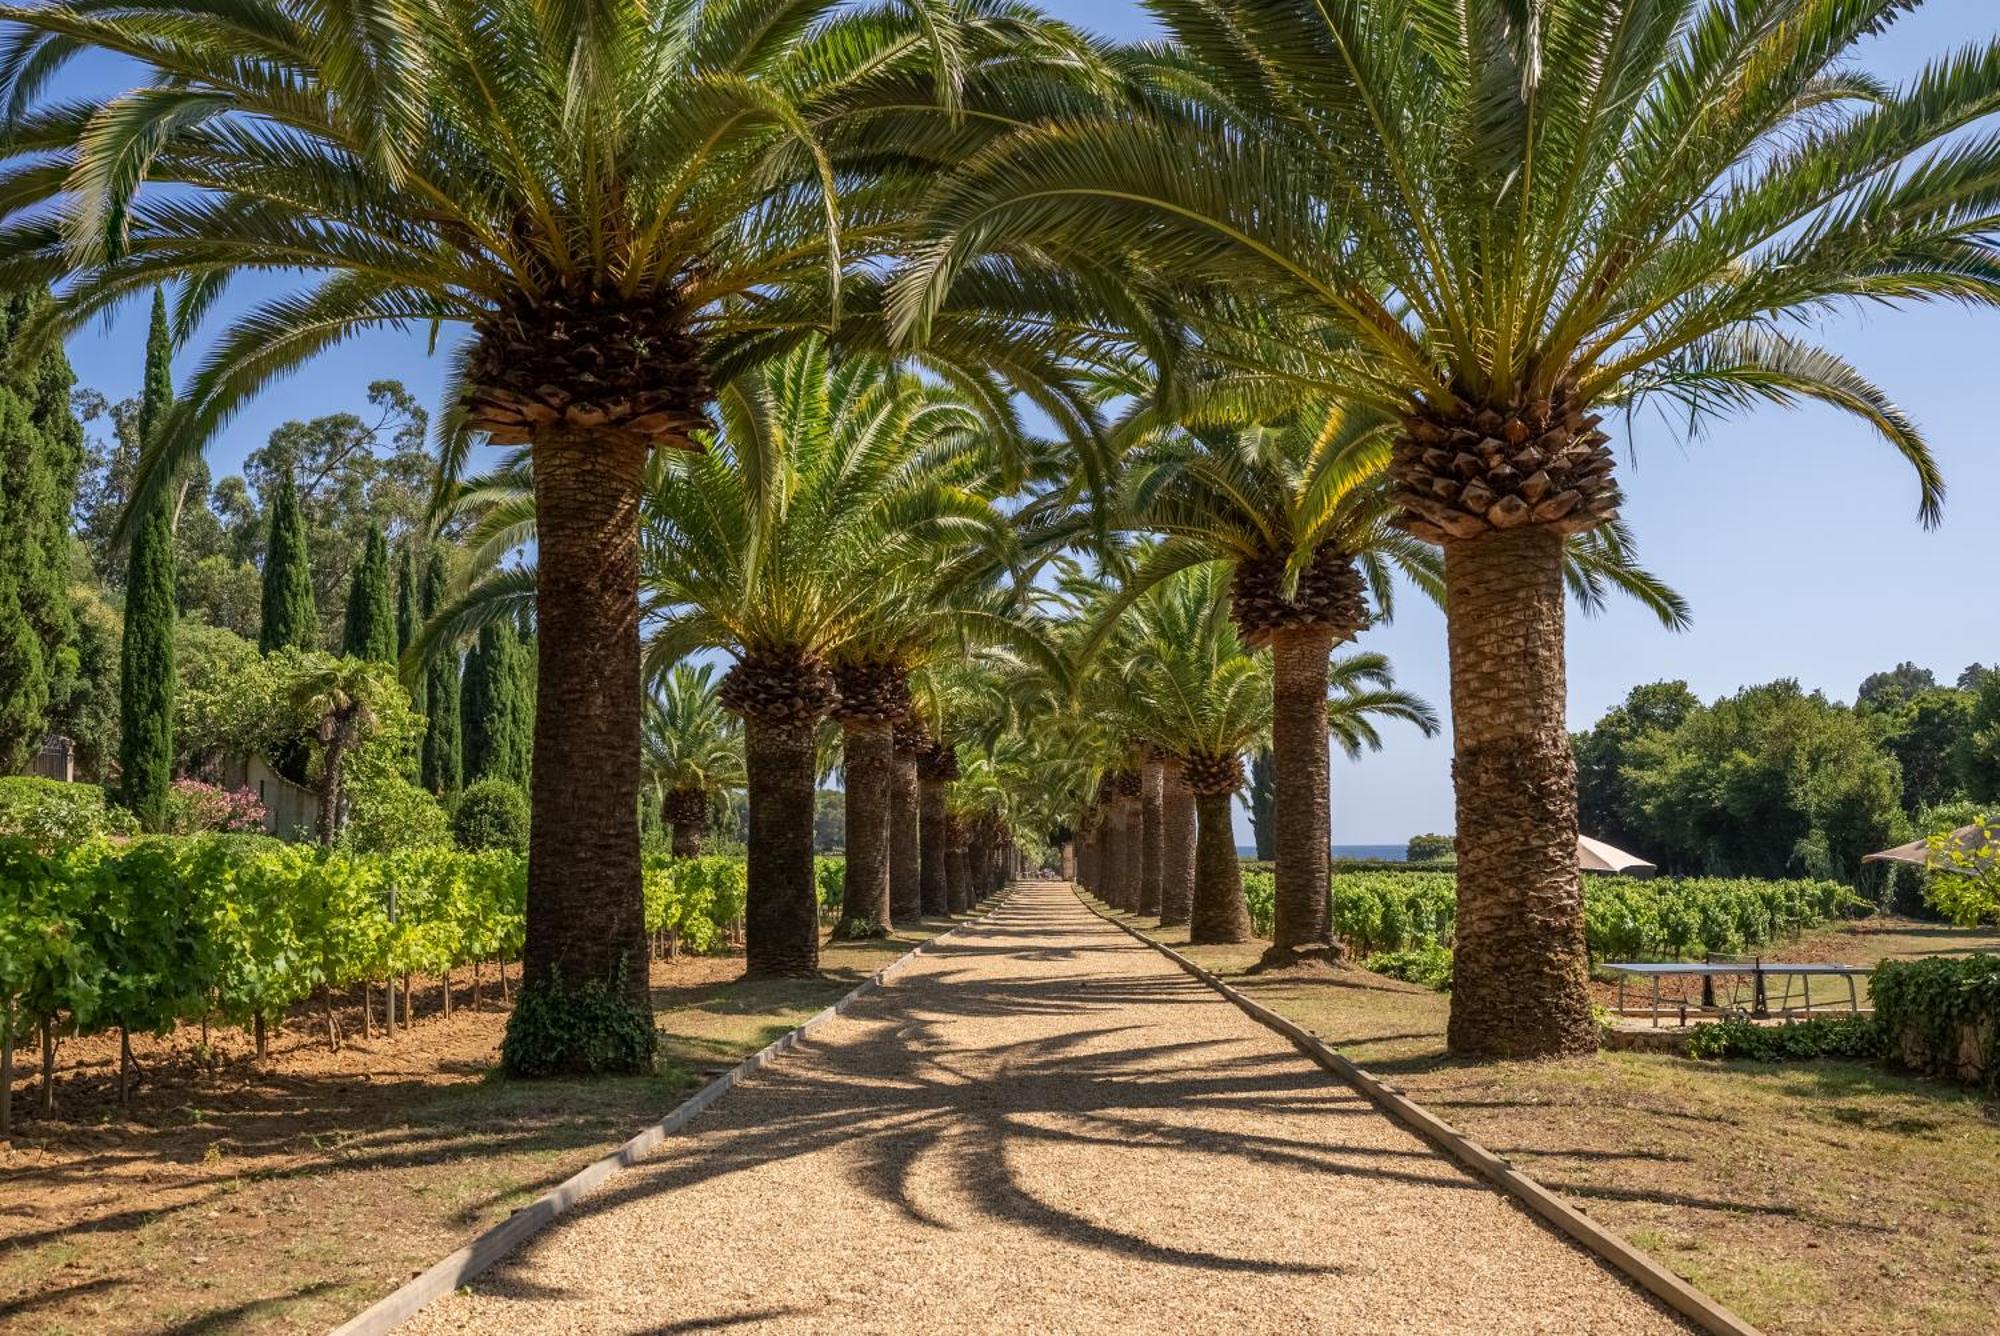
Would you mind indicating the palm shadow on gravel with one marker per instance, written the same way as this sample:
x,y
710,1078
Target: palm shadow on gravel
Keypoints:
x,y
903,1095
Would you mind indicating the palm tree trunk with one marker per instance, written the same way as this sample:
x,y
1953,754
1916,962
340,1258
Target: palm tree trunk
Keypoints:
x,y
1177,840
585,918
781,911
868,753
1111,880
1302,918
958,869
1131,842
329,798
688,836
1519,972
1152,837
906,892
1069,861
1220,913
934,838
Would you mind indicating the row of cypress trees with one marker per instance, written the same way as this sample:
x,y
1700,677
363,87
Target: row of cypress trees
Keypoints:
x,y
488,735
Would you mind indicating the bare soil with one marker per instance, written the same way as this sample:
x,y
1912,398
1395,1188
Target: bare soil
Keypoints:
x,y
1809,1197
285,1195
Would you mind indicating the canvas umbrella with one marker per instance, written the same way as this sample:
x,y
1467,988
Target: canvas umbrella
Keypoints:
x,y
1973,840
1597,856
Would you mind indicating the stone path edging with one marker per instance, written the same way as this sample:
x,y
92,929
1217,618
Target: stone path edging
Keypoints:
x,y
496,1243
1679,1296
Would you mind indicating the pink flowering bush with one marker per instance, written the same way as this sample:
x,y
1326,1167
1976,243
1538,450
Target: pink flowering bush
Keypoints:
x,y
194,807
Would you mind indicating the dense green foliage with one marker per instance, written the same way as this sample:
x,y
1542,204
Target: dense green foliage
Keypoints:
x,y
1853,1037
491,814
50,814
146,678
1927,1009
697,901
1429,965
1430,849
1774,781
409,598
497,708
371,617
559,1030
41,452
442,760
1625,918
95,935
291,613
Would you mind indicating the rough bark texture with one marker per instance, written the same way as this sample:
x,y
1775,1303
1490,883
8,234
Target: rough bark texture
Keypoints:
x,y
781,912
685,808
1112,888
1177,837
934,841
1519,972
1302,921
1152,837
957,865
1220,913
906,894
868,752
585,917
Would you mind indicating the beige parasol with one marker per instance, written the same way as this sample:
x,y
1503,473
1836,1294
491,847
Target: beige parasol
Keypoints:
x,y
1597,856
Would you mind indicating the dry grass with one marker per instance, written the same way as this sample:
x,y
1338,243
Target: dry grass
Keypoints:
x,y
287,1196
1810,1196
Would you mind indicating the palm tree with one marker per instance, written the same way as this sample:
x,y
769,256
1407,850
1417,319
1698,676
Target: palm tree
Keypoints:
x,y
1299,511
1179,675
826,485
625,206
1492,222
693,752
342,695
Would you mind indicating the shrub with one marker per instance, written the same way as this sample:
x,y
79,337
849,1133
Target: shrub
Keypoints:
x,y
1430,848
1852,1037
389,813
51,814
1941,1015
1426,965
557,1030
197,808
492,814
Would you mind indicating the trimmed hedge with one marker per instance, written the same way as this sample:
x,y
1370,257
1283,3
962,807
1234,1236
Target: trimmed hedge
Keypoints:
x,y
1853,1037
1941,1016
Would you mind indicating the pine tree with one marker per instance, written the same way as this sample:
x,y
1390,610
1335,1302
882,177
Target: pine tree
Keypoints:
x,y
371,618
492,708
441,758
41,453
406,601
291,616
146,667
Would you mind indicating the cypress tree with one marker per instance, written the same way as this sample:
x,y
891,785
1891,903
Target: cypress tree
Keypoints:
x,y
291,617
523,759
406,601
491,708
371,618
146,666
41,454
441,758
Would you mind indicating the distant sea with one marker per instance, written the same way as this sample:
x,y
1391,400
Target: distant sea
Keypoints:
x,y
1392,853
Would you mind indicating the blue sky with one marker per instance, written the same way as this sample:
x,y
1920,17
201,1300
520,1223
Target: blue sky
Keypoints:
x,y
1793,535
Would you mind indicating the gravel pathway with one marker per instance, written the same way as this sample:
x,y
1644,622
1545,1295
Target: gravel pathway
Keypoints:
x,y
1044,1126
